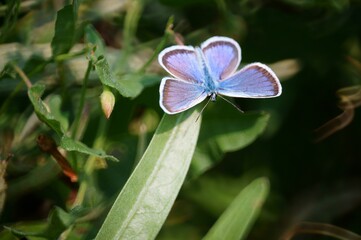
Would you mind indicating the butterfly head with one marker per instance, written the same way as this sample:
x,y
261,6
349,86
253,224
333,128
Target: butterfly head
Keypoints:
x,y
213,96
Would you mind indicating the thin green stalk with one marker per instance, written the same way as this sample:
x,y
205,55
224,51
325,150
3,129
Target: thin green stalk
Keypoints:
x,y
134,10
22,75
71,55
82,100
168,31
91,163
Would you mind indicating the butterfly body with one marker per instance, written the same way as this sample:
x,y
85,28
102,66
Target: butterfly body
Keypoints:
x,y
208,71
209,83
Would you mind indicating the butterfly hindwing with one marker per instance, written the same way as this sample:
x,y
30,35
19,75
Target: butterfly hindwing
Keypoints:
x,y
255,80
182,62
222,56
177,95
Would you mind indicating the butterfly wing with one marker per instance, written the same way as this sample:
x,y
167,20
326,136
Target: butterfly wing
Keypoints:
x,y
177,95
222,55
182,62
255,80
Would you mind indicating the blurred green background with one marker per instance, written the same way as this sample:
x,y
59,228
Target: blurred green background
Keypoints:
x,y
313,46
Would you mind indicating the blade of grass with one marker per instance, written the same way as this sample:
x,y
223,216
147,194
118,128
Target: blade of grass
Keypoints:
x,y
239,217
320,229
145,201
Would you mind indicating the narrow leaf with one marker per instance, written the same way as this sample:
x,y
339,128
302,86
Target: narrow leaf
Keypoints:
x,y
225,133
63,39
70,144
41,110
145,201
239,217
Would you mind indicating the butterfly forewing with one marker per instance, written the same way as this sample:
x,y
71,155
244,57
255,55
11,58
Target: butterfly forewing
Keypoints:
x,y
177,96
255,80
182,62
222,56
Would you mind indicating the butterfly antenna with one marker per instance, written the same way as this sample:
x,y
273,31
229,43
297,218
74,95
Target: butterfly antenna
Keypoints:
x,y
203,109
233,104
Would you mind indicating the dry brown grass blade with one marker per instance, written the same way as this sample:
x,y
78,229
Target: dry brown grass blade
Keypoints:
x,y
320,229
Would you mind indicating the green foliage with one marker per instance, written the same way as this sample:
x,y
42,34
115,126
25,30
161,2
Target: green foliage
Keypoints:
x,y
237,220
63,39
35,93
222,175
12,10
58,222
224,134
146,199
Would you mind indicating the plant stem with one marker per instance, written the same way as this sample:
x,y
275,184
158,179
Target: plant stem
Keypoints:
x,y
22,75
82,100
86,181
168,31
90,163
134,10
71,55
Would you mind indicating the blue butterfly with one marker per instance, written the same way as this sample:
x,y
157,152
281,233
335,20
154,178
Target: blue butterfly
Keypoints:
x,y
208,71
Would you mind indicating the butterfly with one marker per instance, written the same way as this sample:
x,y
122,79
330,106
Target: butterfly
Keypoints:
x,y
210,71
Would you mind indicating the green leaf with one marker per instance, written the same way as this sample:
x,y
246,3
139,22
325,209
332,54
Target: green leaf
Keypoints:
x,y
215,192
145,201
55,108
63,39
234,131
70,144
106,76
10,232
136,82
58,222
41,110
224,133
12,11
93,37
239,217
128,85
